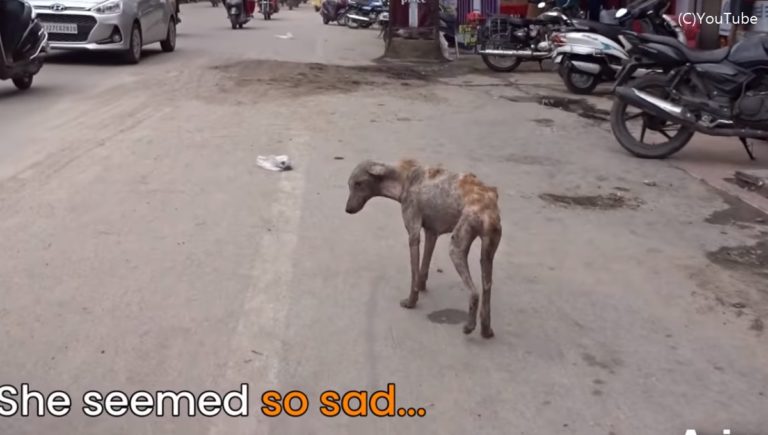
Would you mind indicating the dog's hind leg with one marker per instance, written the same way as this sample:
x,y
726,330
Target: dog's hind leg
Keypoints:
x,y
430,238
490,242
461,241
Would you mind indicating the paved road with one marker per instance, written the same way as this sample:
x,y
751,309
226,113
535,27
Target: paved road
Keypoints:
x,y
142,248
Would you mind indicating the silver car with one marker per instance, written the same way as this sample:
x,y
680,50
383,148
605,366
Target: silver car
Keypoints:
x,y
109,25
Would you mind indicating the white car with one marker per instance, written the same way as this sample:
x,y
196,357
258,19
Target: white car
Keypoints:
x,y
112,25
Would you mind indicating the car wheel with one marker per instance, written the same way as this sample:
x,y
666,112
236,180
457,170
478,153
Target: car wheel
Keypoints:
x,y
135,43
170,40
23,83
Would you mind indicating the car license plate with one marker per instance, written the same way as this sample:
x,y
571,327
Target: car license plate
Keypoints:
x,y
60,28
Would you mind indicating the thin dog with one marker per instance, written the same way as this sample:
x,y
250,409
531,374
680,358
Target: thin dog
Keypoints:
x,y
440,202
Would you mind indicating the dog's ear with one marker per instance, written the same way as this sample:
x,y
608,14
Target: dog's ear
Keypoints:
x,y
378,170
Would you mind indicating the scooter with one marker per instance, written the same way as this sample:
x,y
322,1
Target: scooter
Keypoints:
x,y
594,53
334,10
237,14
23,43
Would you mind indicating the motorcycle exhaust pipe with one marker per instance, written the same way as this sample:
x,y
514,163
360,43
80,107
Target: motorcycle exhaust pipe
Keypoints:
x,y
358,17
527,54
656,106
680,115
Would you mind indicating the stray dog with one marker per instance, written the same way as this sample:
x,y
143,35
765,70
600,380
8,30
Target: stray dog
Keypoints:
x,y
439,202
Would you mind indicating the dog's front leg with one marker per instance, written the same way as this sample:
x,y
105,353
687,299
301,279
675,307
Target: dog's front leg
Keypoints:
x,y
413,226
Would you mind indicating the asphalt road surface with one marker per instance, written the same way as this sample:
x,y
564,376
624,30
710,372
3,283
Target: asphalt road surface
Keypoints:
x,y
142,248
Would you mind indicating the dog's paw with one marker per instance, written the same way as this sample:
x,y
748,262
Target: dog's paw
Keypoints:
x,y
487,332
407,303
468,328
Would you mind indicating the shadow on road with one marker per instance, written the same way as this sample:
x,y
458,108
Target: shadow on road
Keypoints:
x,y
95,59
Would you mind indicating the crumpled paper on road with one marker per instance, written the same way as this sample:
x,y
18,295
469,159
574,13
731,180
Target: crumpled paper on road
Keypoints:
x,y
274,163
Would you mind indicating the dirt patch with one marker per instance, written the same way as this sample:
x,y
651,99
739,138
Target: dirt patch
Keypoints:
x,y
752,258
579,106
608,365
737,211
595,202
524,159
295,79
544,122
449,316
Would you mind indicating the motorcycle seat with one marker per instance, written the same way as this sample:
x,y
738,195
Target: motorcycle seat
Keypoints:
x,y
694,56
610,31
519,21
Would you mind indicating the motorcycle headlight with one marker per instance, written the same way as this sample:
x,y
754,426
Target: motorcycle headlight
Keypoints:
x,y
109,7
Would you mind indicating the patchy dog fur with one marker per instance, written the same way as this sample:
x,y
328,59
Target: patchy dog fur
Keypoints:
x,y
439,202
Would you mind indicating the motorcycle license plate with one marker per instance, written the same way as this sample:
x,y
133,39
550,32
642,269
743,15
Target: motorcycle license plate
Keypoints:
x,y
60,28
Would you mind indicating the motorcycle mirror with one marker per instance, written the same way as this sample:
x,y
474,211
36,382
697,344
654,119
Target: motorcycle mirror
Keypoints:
x,y
621,12
542,5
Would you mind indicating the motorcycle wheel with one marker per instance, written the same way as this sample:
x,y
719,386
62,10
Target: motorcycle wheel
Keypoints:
x,y
23,83
579,82
352,24
342,19
317,9
326,20
501,63
233,21
657,86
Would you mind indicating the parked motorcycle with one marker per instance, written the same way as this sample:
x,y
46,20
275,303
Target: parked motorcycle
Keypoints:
x,y
334,10
592,53
505,42
23,43
722,92
363,13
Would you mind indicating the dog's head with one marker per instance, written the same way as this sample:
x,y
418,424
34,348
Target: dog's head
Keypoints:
x,y
365,183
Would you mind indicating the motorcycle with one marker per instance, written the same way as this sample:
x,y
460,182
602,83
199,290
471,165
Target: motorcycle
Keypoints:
x,y
593,53
293,4
237,13
505,42
334,10
23,43
267,8
363,15
722,92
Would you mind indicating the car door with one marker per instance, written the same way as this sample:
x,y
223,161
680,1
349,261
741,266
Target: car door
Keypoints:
x,y
145,14
160,19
